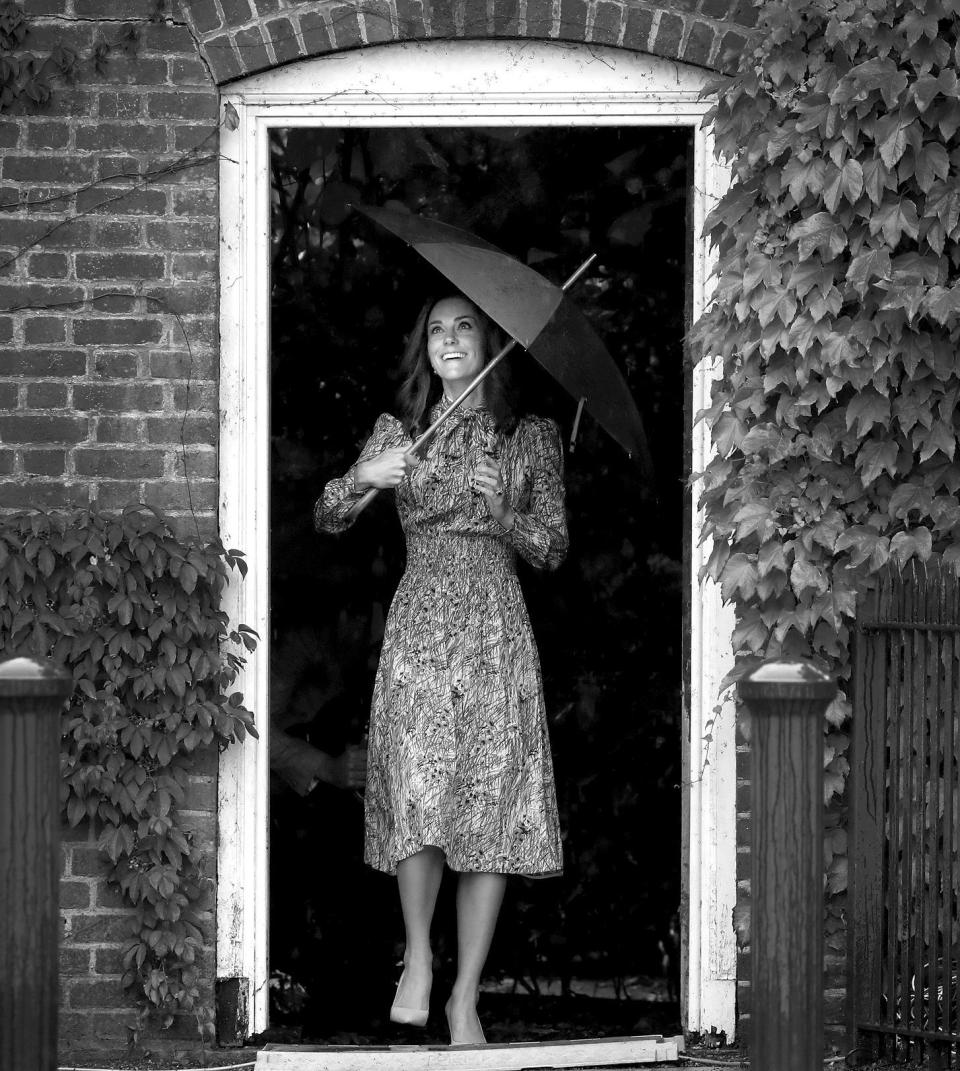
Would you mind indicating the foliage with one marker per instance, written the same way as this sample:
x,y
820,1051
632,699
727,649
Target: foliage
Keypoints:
x,y
134,613
26,76
836,326
344,293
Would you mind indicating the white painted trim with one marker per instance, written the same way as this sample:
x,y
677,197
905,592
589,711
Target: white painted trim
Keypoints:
x,y
440,83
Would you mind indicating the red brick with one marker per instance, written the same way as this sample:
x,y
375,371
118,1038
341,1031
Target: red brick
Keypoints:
x,y
9,135
113,365
199,396
8,460
115,494
74,960
185,299
169,38
48,135
41,329
44,7
316,36
40,295
118,464
717,9
83,1031
140,70
186,235
48,266
134,136
44,37
183,105
120,266
539,18
126,202
606,24
74,894
636,33
378,22
191,429
6,329
198,465
46,395
117,398
266,7
205,15
731,49
116,301
573,20
116,332
108,960
223,58
236,11
165,364
107,9
411,24
253,52
8,395
87,993
283,37
699,43
195,202
120,104
669,33
23,362
442,22
119,430
188,71
59,168
176,495
27,428
108,894
39,494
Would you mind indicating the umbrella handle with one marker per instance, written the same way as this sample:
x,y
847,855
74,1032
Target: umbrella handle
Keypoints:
x,y
362,503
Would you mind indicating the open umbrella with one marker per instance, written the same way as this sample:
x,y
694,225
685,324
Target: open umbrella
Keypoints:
x,y
535,313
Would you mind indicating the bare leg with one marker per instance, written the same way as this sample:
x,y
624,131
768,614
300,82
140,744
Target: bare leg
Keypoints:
x,y
479,897
418,879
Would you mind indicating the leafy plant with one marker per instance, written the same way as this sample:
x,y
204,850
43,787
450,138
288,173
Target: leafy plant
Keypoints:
x,y
134,613
836,326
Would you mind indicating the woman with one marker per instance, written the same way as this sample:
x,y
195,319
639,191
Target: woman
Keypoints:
x,y
459,767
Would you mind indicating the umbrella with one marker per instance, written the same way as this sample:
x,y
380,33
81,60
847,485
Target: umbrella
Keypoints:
x,y
534,312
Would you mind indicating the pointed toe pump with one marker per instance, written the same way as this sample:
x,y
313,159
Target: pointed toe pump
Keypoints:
x,y
408,1016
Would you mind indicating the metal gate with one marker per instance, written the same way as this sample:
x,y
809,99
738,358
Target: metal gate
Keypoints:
x,y
905,813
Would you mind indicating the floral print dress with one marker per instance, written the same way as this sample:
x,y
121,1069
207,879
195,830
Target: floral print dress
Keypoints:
x,y
458,752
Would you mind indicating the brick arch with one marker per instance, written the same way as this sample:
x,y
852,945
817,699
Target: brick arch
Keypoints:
x,y
241,37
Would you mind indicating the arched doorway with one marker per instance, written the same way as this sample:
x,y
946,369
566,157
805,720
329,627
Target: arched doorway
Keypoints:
x,y
440,84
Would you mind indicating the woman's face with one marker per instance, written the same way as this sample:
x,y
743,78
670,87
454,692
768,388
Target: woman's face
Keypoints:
x,y
456,340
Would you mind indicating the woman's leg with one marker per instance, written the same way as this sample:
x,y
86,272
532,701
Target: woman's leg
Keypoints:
x,y
418,879
479,897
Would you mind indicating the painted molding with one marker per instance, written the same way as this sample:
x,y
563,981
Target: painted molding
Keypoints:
x,y
439,83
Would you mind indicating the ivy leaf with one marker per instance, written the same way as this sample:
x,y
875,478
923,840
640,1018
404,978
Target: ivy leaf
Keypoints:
x,y
943,302
820,232
891,138
847,183
932,163
739,577
916,542
872,264
876,457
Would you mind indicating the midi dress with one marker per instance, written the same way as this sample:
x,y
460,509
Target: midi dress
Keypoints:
x,y
458,749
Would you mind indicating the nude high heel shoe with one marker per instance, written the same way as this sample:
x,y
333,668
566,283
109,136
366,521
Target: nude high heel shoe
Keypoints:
x,y
408,1016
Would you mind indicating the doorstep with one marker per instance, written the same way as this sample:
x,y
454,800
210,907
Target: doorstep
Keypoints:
x,y
515,1056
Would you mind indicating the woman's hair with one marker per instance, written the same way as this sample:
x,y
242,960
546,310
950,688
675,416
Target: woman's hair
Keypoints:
x,y
420,388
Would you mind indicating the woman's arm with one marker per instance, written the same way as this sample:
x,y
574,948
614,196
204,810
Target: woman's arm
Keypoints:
x,y
539,531
330,514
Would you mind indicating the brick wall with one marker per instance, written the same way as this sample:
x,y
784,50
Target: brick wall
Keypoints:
x,y
108,364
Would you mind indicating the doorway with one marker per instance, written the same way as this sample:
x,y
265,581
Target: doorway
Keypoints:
x,y
596,952
399,91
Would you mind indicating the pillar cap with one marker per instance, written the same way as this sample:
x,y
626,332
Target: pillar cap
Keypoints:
x,y
33,677
787,678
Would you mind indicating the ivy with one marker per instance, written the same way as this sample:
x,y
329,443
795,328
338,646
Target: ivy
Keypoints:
x,y
134,613
835,327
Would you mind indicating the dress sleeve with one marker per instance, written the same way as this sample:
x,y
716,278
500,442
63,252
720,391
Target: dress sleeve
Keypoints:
x,y
340,494
539,532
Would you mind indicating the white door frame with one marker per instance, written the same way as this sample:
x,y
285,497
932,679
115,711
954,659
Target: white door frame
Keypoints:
x,y
451,83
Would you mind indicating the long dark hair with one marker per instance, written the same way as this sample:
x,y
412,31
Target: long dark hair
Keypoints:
x,y
420,388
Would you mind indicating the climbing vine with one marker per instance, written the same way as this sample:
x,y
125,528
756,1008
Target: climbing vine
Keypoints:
x,y
835,327
134,613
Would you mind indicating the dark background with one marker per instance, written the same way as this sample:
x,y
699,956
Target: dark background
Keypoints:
x,y
608,623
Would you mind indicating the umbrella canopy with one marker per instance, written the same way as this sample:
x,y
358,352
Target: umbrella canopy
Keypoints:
x,y
532,310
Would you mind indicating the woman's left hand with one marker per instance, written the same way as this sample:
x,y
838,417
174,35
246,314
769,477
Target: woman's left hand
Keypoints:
x,y
488,480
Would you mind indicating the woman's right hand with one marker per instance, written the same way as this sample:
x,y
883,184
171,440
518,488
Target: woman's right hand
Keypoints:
x,y
385,470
